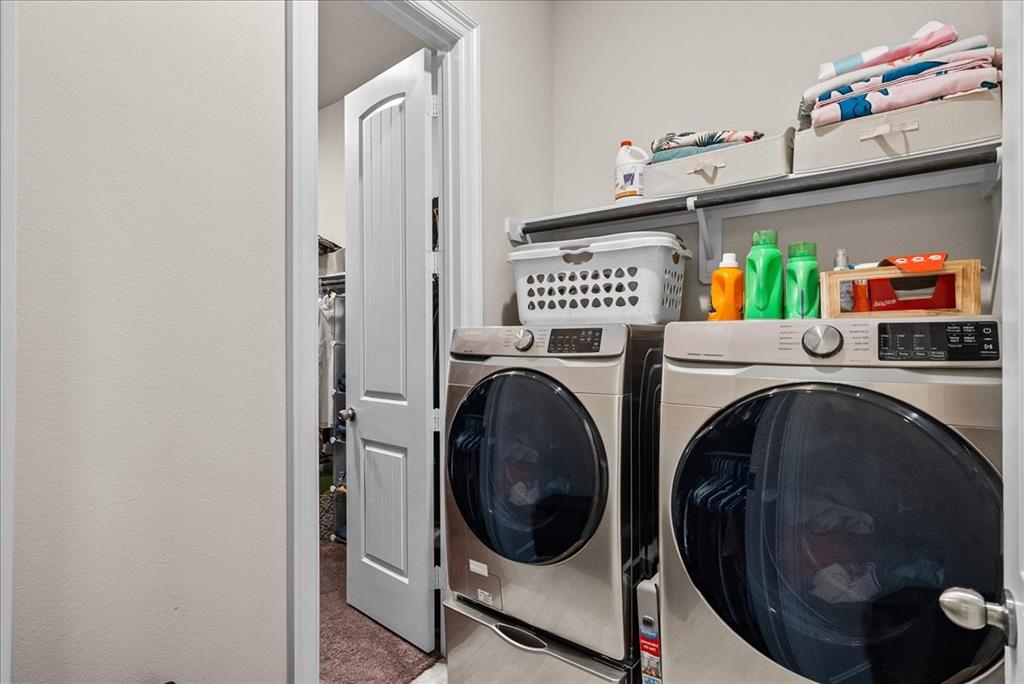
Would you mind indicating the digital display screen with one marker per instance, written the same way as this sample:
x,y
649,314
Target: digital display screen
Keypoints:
x,y
574,341
949,341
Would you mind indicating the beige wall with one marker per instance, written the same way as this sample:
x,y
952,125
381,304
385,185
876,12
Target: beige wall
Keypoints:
x,y
517,133
563,82
958,220
150,519
356,43
331,160
640,69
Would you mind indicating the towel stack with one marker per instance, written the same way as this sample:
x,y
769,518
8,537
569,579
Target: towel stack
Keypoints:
x,y
678,145
931,65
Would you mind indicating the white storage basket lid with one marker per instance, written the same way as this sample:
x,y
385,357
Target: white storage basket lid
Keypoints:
x,y
609,243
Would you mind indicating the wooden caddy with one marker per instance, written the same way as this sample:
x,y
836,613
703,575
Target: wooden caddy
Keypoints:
x,y
966,272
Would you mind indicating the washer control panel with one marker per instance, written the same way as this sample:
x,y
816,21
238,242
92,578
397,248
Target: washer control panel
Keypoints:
x,y
574,341
945,341
948,342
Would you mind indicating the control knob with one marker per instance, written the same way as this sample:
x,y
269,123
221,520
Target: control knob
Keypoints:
x,y
822,341
523,340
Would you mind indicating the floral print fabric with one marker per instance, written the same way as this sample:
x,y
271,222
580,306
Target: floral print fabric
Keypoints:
x,y
681,152
671,141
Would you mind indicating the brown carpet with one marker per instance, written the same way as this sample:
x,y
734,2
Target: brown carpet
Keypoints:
x,y
354,648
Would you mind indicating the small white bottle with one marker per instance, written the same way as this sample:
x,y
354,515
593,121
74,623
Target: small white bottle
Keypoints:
x,y
629,171
842,263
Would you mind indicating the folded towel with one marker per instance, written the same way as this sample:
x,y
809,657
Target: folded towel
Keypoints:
x,y
957,74
681,152
931,35
958,61
811,95
703,139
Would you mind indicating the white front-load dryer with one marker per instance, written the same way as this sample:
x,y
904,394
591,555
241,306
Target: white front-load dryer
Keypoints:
x,y
822,483
547,447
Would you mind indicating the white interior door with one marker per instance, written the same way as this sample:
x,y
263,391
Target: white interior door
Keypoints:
x,y
389,364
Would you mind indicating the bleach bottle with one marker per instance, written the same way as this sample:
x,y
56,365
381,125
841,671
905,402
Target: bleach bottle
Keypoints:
x,y
629,171
763,279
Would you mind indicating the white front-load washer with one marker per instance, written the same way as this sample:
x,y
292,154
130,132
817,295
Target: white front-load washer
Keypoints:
x,y
822,483
550,446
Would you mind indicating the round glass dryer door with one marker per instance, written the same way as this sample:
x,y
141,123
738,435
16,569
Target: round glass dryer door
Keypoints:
x,y
526,467
822,522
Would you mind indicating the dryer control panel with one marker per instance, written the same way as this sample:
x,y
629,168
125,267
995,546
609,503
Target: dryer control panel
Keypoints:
x,y
574,340
604,340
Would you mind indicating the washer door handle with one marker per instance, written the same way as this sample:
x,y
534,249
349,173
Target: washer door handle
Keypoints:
x,y
968,609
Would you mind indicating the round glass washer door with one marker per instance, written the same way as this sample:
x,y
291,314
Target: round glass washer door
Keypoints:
x,y
526,467
822,522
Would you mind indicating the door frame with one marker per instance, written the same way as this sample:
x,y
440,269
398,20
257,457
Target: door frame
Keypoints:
x,y
445,28
8,316
1012,283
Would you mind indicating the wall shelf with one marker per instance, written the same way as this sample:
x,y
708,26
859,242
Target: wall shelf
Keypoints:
x,y
979,165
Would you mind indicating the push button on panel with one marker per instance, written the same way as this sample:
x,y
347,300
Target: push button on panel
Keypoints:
x,y
950,341
575,341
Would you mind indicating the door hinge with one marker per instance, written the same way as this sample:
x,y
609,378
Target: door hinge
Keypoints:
x,y
436,263
435,420
438,577
435,106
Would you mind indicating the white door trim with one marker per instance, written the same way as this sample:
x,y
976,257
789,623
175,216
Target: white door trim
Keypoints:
x,y
1010,298
445,28
8,242
301,342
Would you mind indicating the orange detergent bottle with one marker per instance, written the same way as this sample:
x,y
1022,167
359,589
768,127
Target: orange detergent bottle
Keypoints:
x,y
727,290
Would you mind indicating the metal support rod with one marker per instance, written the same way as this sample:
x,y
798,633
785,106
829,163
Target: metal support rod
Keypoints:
x,y
780,187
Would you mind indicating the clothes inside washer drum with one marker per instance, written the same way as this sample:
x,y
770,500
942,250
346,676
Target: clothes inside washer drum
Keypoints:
x,y
831,546
526,467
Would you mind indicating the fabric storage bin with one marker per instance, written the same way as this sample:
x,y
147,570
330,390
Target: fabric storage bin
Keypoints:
x,y
928,127
628,278
769,157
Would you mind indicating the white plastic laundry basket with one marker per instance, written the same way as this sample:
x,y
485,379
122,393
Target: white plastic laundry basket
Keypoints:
x,y
629,278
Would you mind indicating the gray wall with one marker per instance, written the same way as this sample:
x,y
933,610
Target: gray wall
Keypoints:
x,y
517,133
356,43
150,517
331,162
640,69
563,82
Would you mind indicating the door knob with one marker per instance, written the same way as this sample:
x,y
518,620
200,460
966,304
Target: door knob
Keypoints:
x,y
968,609
348,415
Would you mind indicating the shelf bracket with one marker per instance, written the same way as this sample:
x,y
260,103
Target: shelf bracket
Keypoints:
x,y
710,239
514,230
997,178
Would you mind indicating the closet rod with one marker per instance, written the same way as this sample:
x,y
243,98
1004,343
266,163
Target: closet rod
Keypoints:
x,y
897,168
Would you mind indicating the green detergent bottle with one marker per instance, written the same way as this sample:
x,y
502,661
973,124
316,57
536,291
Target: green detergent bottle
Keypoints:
x,y
802,291
763,293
